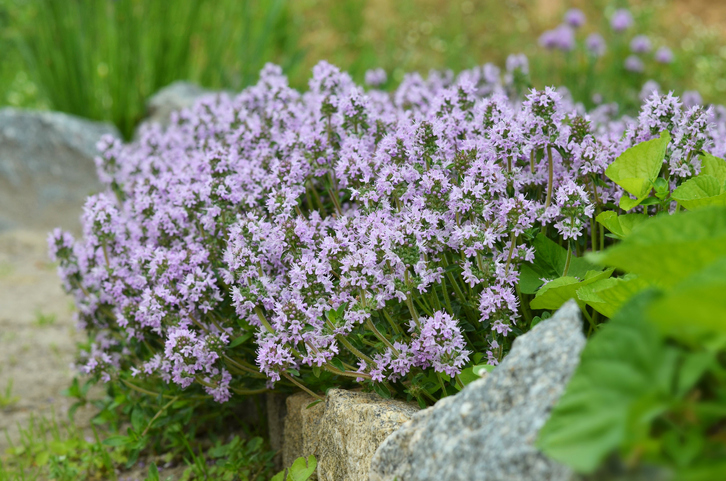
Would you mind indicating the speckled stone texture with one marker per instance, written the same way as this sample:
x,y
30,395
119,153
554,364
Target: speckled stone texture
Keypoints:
x,y
487,431
353,425
301,427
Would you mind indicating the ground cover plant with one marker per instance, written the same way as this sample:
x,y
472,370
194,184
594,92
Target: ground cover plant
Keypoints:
x,y
339,236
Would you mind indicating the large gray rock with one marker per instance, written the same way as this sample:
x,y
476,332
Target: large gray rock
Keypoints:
x,y
487,431
46,167
175,96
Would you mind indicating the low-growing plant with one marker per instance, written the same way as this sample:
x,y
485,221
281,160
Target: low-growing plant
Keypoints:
x,y
336,236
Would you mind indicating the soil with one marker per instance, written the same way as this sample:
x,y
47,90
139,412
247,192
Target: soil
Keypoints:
x,y
37,333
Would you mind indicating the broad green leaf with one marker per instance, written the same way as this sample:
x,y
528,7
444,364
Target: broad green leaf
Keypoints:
x,y
608,295
636,169
623,377
549,263
472,373
302,468
620,225
669,248
714,167
695,305
555,293
700,191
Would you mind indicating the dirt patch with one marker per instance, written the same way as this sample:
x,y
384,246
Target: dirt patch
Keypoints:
x,y
37,333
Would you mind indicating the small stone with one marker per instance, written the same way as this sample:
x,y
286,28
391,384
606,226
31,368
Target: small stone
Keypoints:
x,y
352,427
488,430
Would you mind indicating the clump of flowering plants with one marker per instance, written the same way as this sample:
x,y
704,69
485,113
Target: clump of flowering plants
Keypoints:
x,y
341,236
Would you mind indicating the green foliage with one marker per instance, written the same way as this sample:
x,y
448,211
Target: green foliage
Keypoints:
x,y
301,470
636,169
102,60
651,386
555,293
549,263
707,188
669,249
620,225
6,398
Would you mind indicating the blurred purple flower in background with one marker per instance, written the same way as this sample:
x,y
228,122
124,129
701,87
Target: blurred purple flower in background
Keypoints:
x,y
634,64
621,20
640,44
595,44
517,61
691,98
649,87
376,77
562,38
575,18
664,55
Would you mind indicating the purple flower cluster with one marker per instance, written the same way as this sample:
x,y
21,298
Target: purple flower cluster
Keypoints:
x,y
376,236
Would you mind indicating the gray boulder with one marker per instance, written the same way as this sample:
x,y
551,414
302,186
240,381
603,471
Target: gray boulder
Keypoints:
x,y
175,96
487,431
46,167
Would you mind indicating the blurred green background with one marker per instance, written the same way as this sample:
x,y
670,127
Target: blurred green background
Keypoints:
x,y
102,59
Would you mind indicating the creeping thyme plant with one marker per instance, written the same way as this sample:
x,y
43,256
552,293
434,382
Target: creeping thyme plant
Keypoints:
x,y
343,235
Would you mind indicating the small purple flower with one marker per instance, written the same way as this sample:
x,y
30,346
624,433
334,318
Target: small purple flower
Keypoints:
x,y
664,55
640,44
375,77
634,64
622,20
575,18
561,38
518,62
596,44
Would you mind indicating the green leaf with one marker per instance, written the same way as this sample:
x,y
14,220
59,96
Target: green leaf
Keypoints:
x,y
701,191
117,441
714,167
382,390
620,225
240,340
302,469
636,169
669,248
153,473
623,377
138,420
555,293
549,263
337,363
472,373
608,295
697,305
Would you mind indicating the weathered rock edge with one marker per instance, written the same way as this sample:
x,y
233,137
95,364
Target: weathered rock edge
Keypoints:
x,y
487,431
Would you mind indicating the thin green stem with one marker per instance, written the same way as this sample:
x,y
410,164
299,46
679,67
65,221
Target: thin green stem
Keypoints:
x,y
292,380
569,258
550,176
